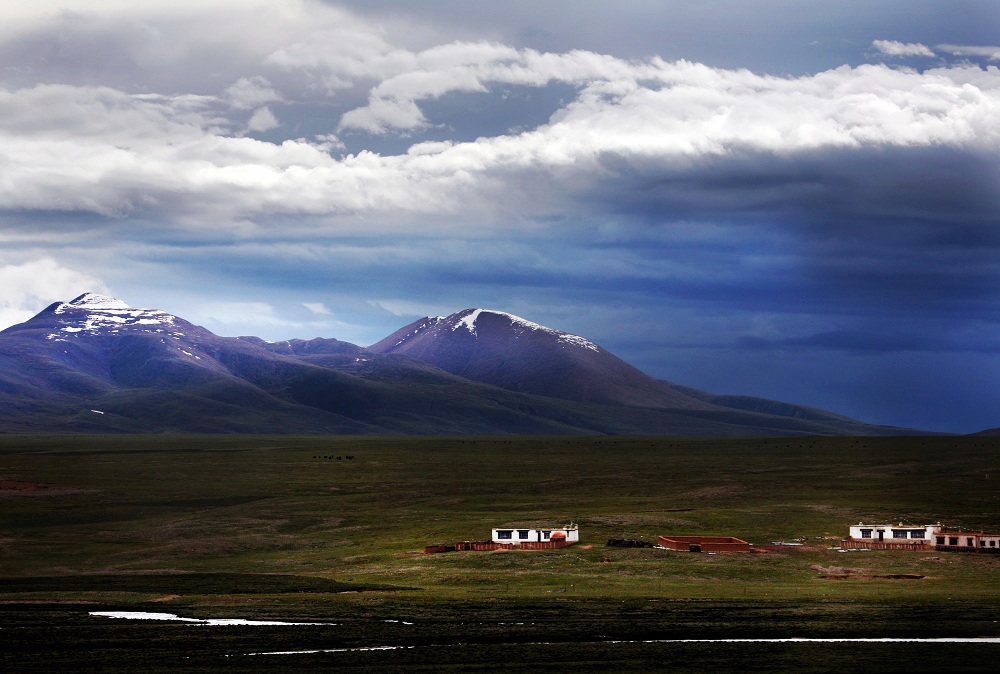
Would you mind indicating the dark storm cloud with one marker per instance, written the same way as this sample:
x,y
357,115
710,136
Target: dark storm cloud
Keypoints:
x,y
831,188
868,342
899,228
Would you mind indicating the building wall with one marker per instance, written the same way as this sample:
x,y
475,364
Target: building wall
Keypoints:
x,y
932,535
487,546
894,533
851,544
519,536
967,541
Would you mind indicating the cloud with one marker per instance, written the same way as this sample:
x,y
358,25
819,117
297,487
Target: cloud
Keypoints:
x,y
105,148
870,342
28,287
411,309
251,92
96,149
263,120
474,67
894,48
166,46
317,308
991,53
329,142
242,314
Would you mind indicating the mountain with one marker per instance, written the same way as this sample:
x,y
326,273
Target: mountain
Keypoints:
x,y
498,348
95,364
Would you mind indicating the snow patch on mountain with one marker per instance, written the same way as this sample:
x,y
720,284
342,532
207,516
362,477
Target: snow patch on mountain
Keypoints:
x,y
520,325
94,301
576,340
93,313
469,321
420,328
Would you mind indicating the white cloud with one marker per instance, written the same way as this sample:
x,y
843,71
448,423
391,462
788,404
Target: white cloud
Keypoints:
x,y
474,67
28,287
894,48
117,153
991,53
263,120
317,308
240,314
100,150
336,55
274,321
329,142
409,308
250,92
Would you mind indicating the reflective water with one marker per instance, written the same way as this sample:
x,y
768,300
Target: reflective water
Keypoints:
x,y
145,615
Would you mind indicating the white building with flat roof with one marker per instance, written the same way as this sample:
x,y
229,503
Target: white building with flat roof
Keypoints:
x,y
966,541
534,533
914,537
894,533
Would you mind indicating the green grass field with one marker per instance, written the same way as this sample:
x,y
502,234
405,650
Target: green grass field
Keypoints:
x,y
279,527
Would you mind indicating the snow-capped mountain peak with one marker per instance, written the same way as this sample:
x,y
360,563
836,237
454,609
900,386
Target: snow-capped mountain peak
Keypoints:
x,y
95,363
95,301
469,317
93,313
468,321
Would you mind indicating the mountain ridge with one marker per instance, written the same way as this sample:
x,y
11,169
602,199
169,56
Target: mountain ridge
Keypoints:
x,y
485,345
96,364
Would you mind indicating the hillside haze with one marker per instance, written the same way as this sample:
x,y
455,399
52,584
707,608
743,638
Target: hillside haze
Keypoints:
x,y
96,364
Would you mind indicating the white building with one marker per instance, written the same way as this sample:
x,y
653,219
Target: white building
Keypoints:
x,y
967,541
894,533
519,534
914,537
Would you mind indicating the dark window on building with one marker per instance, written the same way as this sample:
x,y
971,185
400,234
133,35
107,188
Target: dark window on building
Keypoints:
x,y
522,534
982,544
504,534
953,540
993,544
866,533
546,534
968,542
899,533
940,540
917,533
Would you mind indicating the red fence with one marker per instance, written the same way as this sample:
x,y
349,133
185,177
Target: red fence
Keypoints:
x,y
851,544
486,546
704,543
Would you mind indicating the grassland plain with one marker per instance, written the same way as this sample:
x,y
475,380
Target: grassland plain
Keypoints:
x,y
331,529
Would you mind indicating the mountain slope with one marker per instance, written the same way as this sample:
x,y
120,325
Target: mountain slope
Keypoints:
x,y
763,405
94,364
119,367
498,348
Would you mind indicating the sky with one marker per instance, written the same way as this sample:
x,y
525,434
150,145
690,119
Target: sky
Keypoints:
x,y
792,199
